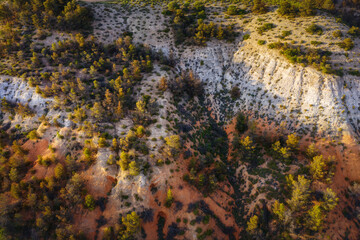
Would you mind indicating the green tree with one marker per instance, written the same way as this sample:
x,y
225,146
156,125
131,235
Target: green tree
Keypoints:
x,y
346,44
89,202
173,5
140,131
318,167
134,169
169,198
59,171
14,175
110,160
279,210
354,31
315,218
97,111
241,123
252,224
282,152
15,190
300,190
287,9
312,151
115,145
328,5
330,199
102,142
140,106
132,225
293,142
173,141
87,154
307,8
124,161
232,10
259,7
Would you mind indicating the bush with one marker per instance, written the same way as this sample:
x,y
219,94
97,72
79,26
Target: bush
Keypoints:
x,y
287,9
89,202
285,34
265,27
275,45
261,42
102,142
241,123
32,135
354,72
59,171
232,10
235,92
316,43
337,34
347,44
246,37
314,29
259,7
315,57
354,31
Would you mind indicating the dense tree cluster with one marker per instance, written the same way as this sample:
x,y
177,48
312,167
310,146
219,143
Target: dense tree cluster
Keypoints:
x,y
45,203
299,208
63,15
303,8
188,23
317,58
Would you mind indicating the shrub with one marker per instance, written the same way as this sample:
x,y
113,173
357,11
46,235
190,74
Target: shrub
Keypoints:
x,y
59,171
134,169
337,34
354,31
169,198
102,142
354,72
232,10
287,9
32,135
275,45
266,27
259,7
235,92
246,37
347,44
285,34
261,42
314,29
241,123
316,43
89,202
173,141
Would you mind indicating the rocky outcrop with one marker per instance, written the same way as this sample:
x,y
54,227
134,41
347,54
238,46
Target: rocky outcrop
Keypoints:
x,y
302,97
17,90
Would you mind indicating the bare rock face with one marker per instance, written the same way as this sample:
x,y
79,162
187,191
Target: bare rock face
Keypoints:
x,y
271,87
16,90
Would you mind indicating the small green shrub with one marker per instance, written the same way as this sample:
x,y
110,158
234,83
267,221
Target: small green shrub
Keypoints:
x,y
337,34
354,31
246,37
346,44
314,29
316,43
266,27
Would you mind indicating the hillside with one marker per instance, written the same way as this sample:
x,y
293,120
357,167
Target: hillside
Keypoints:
x,y
179,120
